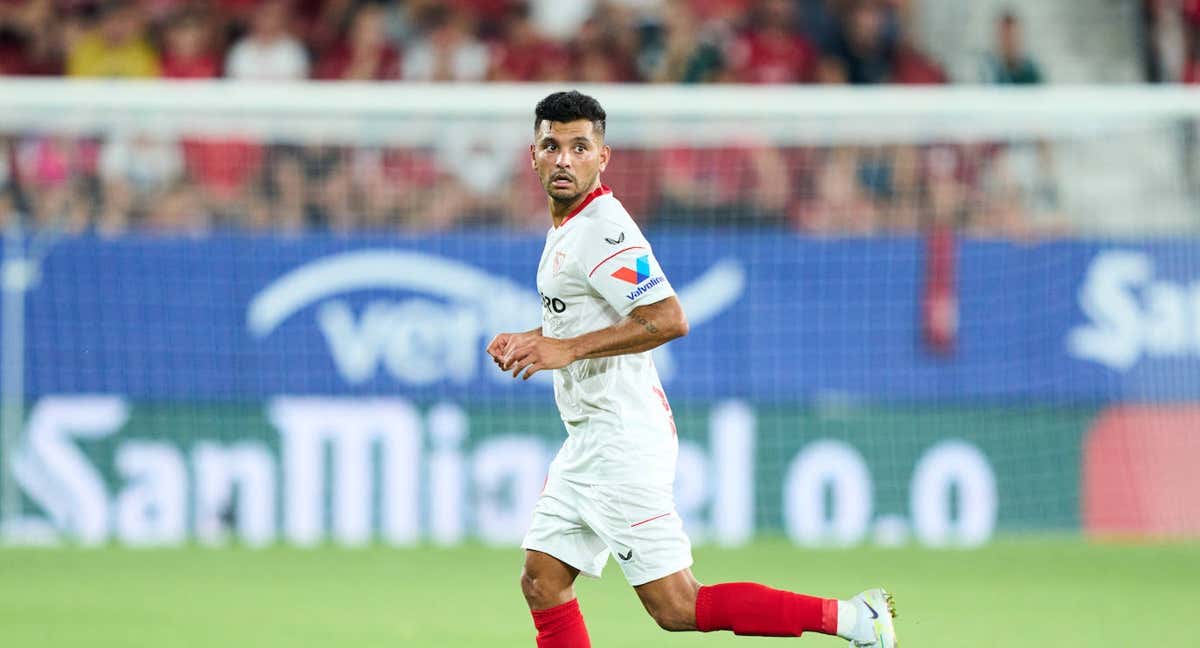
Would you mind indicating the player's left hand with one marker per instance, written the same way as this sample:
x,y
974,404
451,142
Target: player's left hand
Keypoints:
x,y
533,352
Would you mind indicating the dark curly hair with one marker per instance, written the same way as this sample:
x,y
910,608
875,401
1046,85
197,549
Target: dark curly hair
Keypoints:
x,y
568,107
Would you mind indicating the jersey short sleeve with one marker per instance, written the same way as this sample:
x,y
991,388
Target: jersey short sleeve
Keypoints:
x,y
621,267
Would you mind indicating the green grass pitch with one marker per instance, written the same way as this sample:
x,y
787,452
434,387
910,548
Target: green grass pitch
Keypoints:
x,y
1045,592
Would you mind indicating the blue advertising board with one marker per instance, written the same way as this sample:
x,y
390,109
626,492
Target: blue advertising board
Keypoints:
x,y
776,318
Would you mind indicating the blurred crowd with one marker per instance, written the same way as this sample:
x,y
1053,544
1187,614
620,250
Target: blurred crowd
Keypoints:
x,y
764,41
1171,40
135,180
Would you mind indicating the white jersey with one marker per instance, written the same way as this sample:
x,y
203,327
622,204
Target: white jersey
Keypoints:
x,y
595,269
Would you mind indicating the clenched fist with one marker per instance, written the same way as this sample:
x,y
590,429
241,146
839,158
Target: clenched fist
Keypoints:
x,y
529,352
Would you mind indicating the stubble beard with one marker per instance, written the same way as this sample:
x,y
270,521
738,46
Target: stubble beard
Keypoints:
x,y
560,199
564,200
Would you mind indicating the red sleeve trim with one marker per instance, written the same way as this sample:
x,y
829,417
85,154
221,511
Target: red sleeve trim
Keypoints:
x,y
632,247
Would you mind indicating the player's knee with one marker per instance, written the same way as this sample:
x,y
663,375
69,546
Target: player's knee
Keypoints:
x,y
529,587
539,593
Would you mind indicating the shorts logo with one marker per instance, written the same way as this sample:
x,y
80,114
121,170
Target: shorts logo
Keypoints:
x,y
625,556
635,277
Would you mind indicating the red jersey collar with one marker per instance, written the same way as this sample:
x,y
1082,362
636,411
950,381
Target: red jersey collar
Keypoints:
x,y
600,191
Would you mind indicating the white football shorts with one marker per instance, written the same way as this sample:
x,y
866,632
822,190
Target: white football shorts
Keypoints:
x,y
581,524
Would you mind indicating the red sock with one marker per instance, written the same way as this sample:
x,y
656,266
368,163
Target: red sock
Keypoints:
x,y
759,611
561,627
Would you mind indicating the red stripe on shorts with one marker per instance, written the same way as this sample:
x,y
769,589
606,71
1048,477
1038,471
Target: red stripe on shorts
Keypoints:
x,y
648,520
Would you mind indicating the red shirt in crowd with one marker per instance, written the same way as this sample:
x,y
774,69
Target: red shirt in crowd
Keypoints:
x,y
772,56
201,67
524,62
338,64
914,68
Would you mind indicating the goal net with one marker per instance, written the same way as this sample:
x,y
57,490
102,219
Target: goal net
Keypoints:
x,y
258,313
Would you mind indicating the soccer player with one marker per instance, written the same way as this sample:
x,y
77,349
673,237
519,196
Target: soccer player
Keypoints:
x,y
605,304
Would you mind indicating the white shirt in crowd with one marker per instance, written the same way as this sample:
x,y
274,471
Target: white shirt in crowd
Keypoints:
x,y
282,59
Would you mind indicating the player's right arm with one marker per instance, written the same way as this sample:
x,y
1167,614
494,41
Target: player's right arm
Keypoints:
x,y
500,344
645,327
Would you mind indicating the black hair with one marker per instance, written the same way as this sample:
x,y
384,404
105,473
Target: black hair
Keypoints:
x,y
568,107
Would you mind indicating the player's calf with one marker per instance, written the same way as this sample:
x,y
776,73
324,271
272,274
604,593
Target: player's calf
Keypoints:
x,y
756,610
671,601
548,586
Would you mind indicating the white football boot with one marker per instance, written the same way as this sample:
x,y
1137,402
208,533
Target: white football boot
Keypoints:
x,y
875,613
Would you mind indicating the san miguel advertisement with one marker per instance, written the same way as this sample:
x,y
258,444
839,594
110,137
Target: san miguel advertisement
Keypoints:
x,y
331,389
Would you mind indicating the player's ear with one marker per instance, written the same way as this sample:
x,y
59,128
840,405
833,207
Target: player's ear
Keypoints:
x,y
532,157
605,154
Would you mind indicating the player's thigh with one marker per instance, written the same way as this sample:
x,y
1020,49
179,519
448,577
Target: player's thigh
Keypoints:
x,y
558,530
641,528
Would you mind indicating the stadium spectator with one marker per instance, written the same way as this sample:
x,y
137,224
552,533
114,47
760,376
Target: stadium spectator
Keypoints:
x,y
728,12
322,24
1191,18
393,187
839,203
1016,183
309,186
179,211
832,71
8,184
867,43
188,48
285,207
522,54
1009,64
615,30
556,69
135,172
115,47
601,54
448,51
680,50
223,170
328,187
488,15
901,211
475,184
731,185
269,52
220,170
558,20
772,51
913,67
31,38
56,173
1162,37
364,53
947,177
